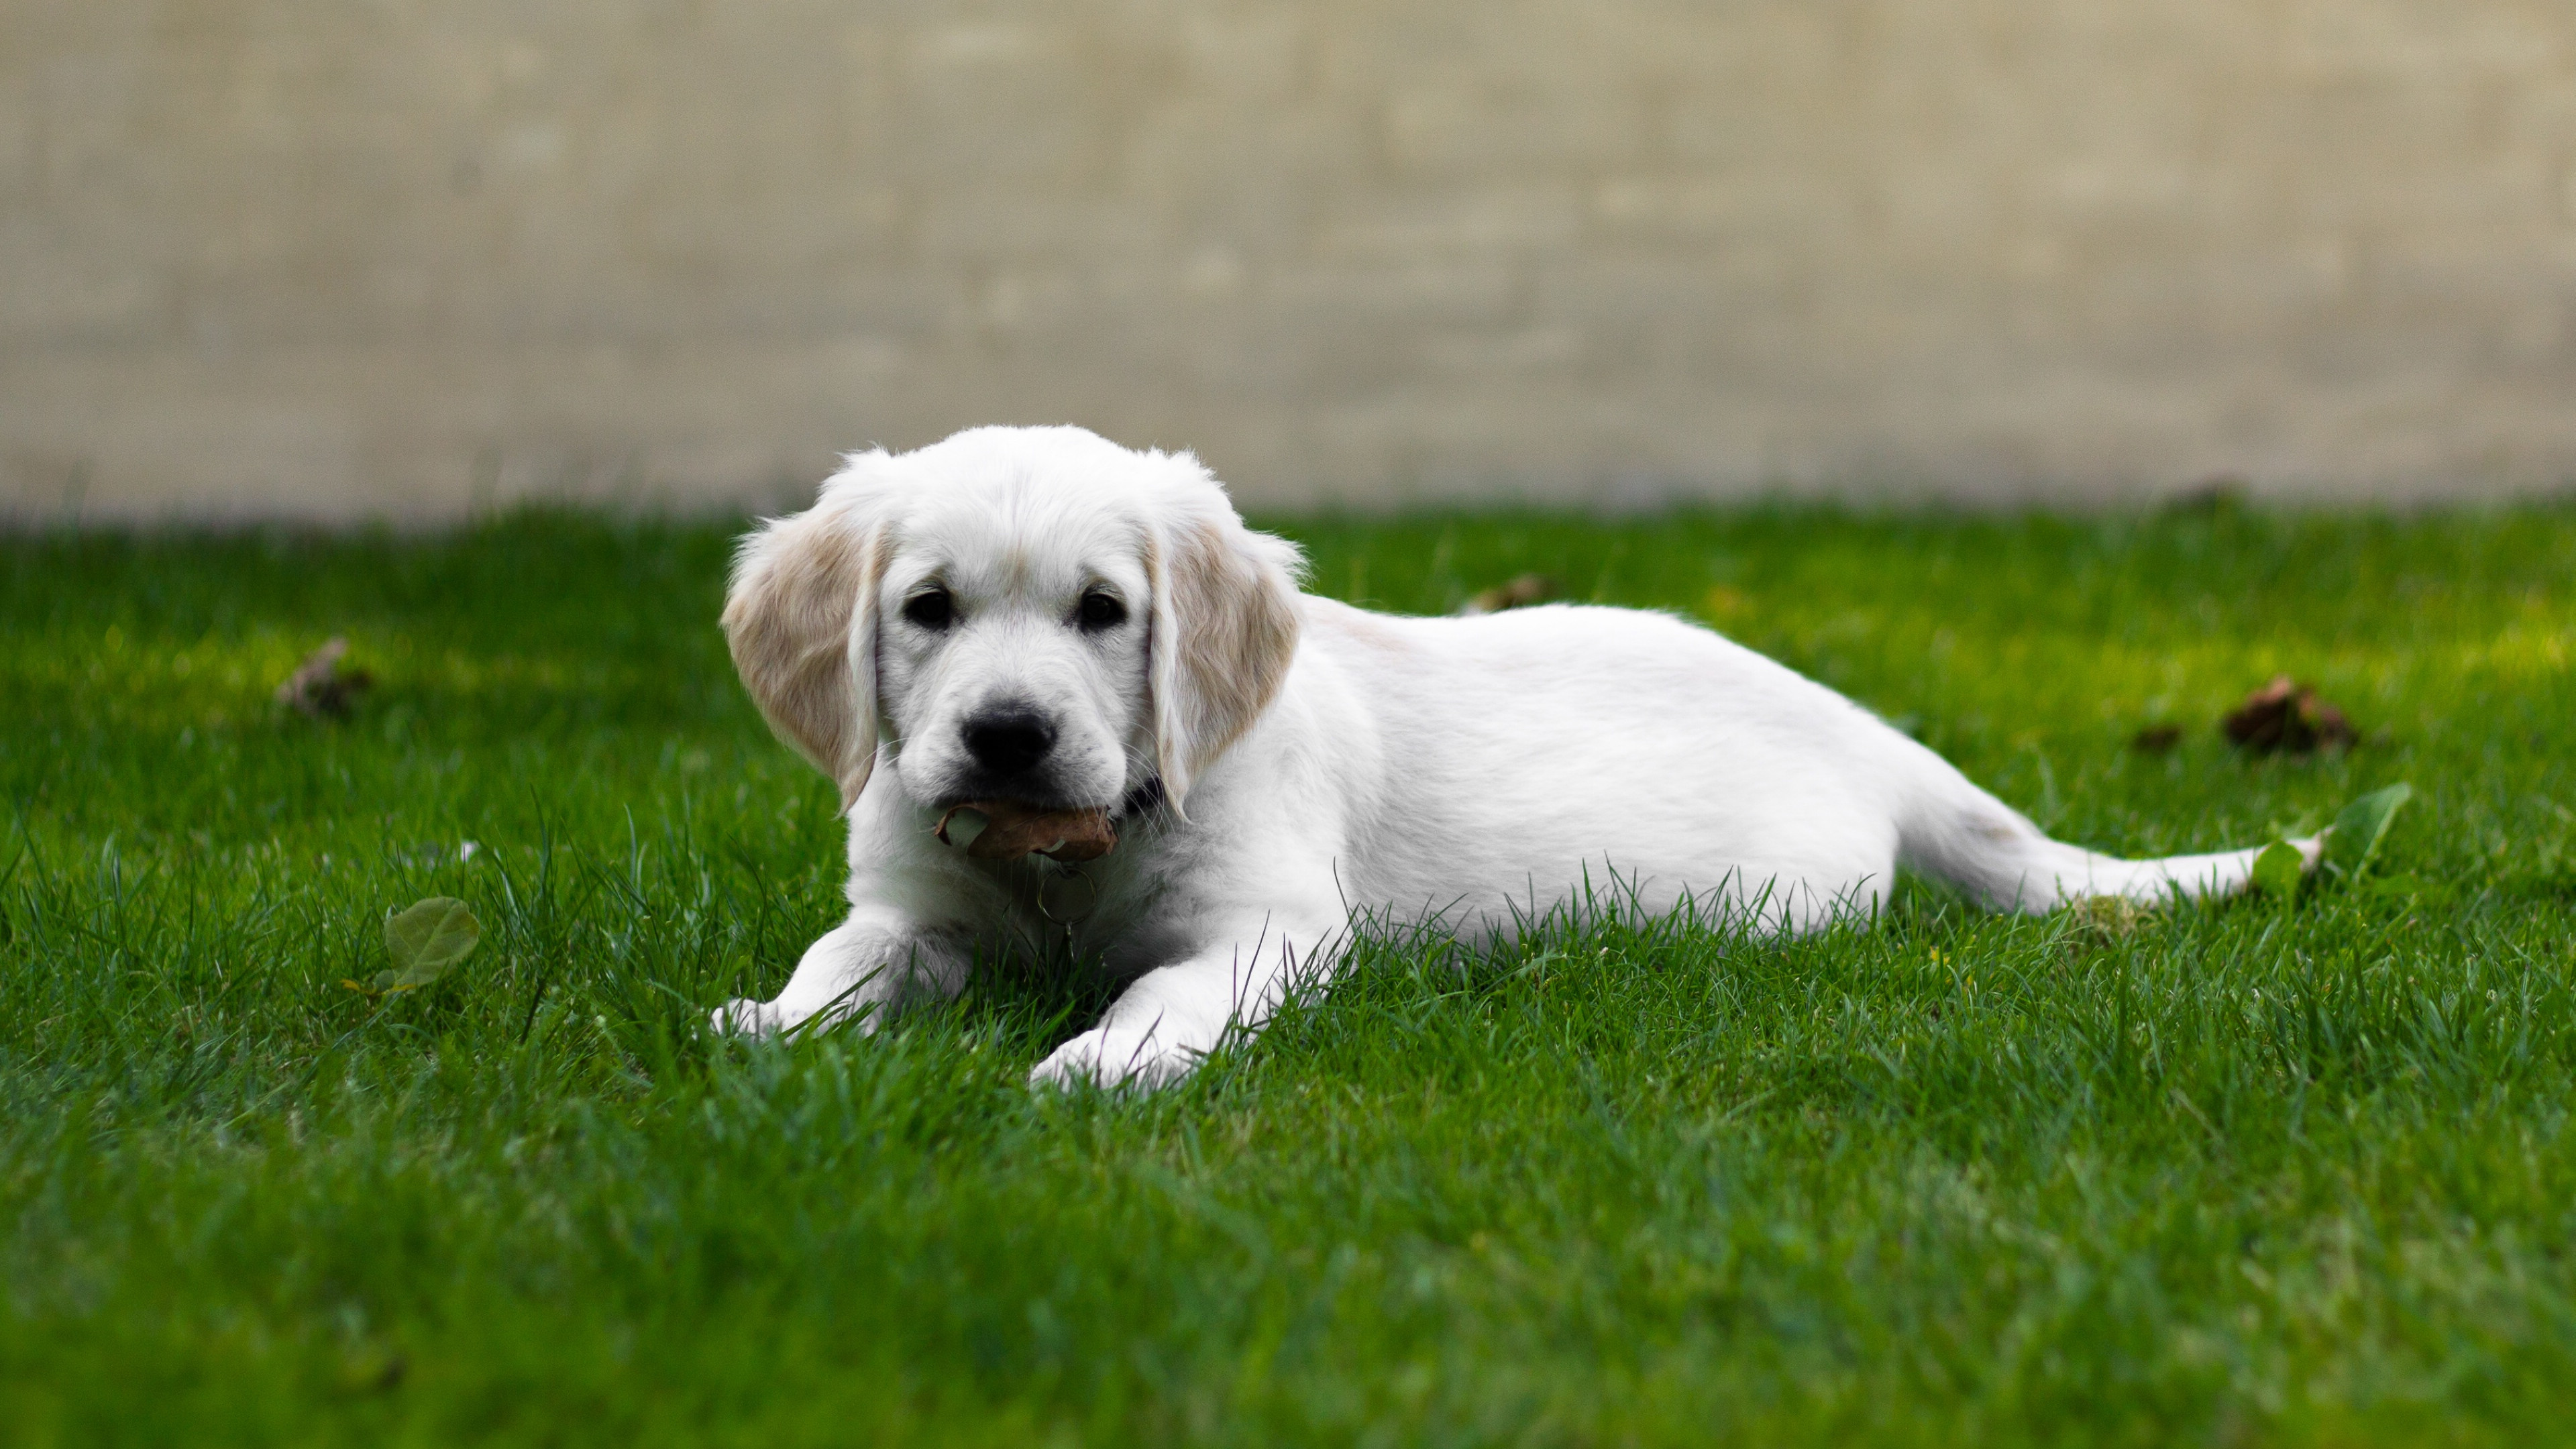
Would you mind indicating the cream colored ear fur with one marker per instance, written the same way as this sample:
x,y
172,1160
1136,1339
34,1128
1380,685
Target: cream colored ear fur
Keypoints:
x,y
1224,631
801,618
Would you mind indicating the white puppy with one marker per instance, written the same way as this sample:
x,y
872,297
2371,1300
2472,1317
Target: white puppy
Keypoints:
x,y
1038,615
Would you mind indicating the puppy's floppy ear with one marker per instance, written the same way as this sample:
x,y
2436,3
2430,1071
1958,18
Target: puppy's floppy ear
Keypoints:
x,y
1223,631
801,618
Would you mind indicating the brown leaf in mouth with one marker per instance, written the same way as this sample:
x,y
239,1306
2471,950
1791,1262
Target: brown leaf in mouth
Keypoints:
x,y
1007,830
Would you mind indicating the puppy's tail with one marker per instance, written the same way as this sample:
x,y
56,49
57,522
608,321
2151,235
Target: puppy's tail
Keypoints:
x,y
1958,833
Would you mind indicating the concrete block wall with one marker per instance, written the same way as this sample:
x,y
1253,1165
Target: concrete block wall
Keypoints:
x,y
391,258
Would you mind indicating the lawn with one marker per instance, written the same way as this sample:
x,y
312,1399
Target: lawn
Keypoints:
x,y
2266,1172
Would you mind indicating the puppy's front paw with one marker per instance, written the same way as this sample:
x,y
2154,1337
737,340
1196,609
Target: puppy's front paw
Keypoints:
x,y
1113,1058
743,1016
746,1017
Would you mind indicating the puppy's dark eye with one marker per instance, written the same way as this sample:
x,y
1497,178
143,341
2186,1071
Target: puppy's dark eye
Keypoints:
x,y
932,610
1101,611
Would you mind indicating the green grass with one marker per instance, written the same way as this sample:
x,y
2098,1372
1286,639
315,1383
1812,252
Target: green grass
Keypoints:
x,y
2248,1174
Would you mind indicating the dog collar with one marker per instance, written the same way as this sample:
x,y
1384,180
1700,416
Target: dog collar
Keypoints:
x,y
1145,797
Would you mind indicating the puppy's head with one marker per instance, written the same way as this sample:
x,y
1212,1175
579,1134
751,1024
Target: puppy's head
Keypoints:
x,y
1031,614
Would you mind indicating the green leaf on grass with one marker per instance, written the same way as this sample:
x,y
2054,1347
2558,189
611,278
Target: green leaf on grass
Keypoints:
x,y
426,940
2359,829
2276,870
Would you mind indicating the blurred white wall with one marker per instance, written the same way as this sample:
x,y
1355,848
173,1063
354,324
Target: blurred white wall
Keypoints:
x,y
389,257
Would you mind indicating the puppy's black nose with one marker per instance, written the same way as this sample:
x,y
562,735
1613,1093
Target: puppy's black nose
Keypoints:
x,y
1009,741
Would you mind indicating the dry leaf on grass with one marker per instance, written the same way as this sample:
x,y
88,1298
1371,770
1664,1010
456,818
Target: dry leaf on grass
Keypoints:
x,y
1007,830
318,689
1520,593
2287,715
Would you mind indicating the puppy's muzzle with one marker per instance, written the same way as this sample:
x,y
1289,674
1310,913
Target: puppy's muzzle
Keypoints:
x,y
1006,744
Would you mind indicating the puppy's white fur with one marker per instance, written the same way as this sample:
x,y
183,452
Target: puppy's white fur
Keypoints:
x,y
1312,761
